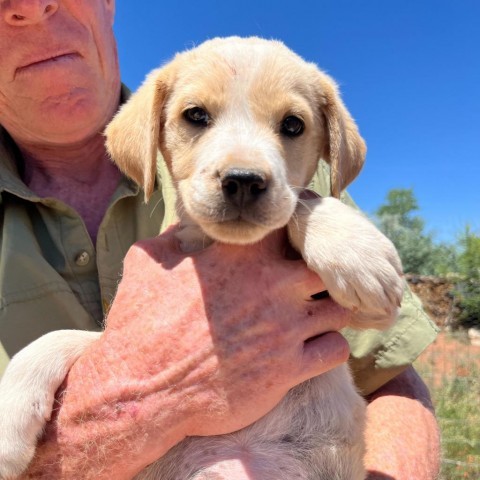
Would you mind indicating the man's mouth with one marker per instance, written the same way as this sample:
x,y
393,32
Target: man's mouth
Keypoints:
x,y
46,62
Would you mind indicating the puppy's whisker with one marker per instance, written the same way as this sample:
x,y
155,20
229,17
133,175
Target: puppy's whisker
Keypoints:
x,y
160,200
181,210
304,204
169,188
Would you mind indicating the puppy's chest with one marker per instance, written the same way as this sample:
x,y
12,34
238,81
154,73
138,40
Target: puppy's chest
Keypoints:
x,y
303,437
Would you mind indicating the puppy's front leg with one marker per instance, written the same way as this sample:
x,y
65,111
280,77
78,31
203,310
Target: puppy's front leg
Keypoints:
x,y
27,391
358,264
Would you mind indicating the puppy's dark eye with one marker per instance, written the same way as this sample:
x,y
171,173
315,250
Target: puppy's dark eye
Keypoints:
x,y
197,115
292,126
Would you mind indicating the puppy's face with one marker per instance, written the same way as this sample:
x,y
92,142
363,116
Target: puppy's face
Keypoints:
x,y
241,137
241,124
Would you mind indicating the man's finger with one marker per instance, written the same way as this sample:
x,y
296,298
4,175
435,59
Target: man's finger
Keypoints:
x,y
322,316
323,353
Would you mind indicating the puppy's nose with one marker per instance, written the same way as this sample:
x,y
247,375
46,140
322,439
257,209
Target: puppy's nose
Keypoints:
x,y
242,186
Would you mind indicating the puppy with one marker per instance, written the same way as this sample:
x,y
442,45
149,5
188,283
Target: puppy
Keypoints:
x,y
241,124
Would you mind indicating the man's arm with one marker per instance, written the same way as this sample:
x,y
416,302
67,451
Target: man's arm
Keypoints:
x,y
191,348
402,435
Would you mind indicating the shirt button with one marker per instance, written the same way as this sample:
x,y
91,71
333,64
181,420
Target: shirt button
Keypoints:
x,y
82,259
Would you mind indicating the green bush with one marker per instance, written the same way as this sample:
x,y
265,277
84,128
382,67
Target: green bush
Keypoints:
x,y
417,249
421,255
467,291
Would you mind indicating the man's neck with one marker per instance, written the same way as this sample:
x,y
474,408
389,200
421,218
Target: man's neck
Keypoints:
x,y
81,175
48,163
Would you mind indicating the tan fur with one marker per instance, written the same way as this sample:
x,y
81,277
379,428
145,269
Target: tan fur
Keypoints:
x,y
143,132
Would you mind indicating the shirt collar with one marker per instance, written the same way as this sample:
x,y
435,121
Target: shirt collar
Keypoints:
x,y
10,159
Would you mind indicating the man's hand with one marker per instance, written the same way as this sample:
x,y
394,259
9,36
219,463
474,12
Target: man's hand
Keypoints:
x,y
195,345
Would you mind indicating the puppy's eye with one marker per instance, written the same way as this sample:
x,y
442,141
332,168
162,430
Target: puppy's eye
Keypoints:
x,y
292,126
198,116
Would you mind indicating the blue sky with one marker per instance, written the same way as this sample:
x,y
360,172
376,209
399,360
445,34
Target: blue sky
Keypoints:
x,y
409,72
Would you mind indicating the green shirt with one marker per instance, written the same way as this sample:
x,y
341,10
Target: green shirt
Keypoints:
x,y
52,276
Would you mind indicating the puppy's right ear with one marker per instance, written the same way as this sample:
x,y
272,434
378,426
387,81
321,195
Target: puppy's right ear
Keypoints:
x,y
133,134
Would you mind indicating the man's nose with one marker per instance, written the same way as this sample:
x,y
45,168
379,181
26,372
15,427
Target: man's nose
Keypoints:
x,y
28,12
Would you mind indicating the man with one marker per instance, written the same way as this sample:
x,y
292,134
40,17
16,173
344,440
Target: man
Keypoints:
x,y
164,369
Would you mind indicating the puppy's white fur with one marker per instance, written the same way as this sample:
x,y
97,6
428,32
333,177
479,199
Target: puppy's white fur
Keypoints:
x,y
247,87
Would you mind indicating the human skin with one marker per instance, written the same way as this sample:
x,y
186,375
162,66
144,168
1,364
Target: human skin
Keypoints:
x,y
403,441
193,346
61,101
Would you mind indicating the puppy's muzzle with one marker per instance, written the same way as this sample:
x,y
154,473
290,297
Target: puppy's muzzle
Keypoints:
x,y
242,187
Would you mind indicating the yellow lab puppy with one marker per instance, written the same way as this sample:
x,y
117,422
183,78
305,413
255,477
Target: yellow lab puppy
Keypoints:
x,y
242,124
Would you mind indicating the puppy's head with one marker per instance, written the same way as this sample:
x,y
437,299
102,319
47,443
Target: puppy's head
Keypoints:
x,y
241,124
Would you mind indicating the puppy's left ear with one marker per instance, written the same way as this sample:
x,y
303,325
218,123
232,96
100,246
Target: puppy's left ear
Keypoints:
x,y
345,149
133,134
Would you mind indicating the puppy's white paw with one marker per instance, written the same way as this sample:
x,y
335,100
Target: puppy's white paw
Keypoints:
x,y
358,264
19,439
24,410
14,461
27,393
191,237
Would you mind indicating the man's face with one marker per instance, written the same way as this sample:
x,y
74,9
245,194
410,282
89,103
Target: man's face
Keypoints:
x,y
59,79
